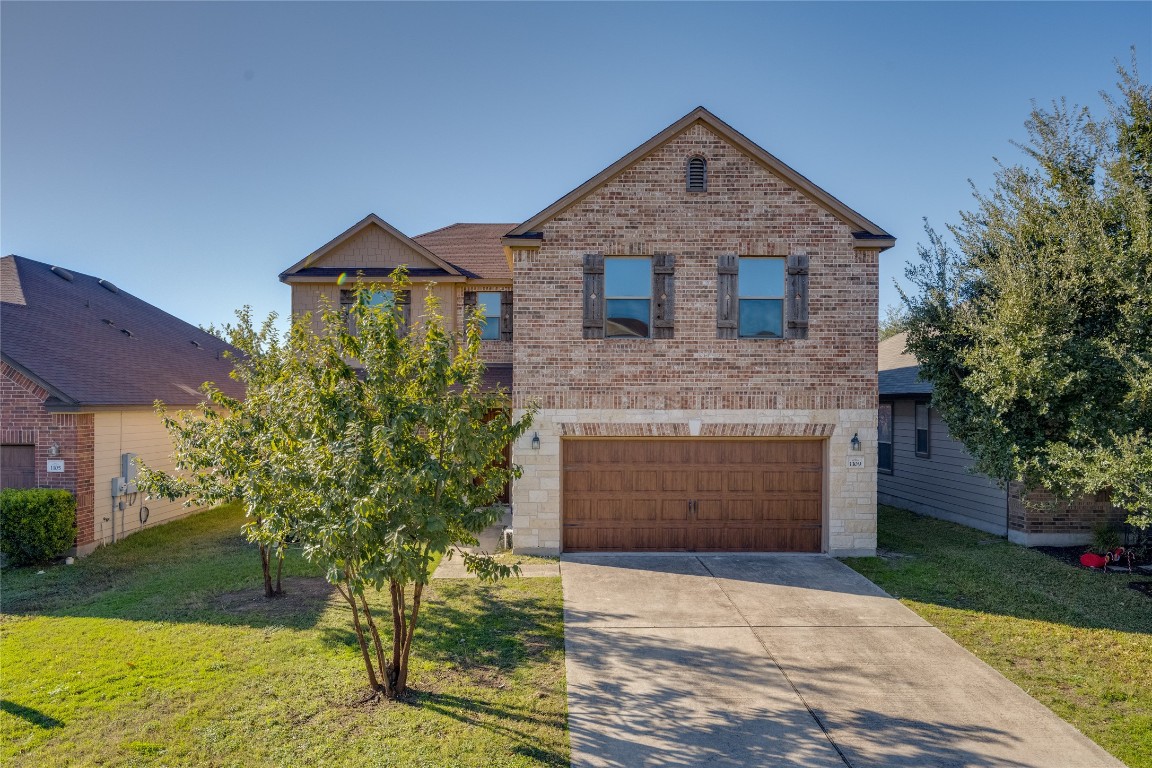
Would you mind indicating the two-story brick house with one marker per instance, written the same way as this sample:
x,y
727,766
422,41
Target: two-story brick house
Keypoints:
x,y
696,325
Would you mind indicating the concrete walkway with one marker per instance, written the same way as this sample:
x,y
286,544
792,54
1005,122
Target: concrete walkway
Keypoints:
x,y
782,660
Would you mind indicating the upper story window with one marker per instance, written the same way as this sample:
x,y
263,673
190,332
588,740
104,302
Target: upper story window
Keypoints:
x,y
761,295
923,444
489,304
697,174
384,299
495,310
884,437
628,297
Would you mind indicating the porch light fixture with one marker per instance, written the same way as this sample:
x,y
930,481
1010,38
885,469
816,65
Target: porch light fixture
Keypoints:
x,y
535,441
856,442
54,449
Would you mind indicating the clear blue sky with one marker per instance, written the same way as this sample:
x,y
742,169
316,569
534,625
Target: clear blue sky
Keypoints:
x,y
189,152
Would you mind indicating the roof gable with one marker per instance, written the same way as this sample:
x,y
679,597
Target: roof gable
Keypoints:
x,y
864,229
378,242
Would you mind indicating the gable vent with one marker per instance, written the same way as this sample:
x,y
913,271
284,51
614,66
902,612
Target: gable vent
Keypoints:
x,y
61,272
697,174
108,286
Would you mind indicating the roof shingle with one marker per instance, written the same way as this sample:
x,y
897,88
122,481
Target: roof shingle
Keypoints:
x,y
97,346
474,248
899,371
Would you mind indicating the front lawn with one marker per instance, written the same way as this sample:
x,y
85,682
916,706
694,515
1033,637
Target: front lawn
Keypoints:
x,y
161,650
1077,641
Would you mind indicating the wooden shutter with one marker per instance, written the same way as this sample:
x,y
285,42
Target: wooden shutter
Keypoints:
x,y
663,295
469,310
796,298
593,295
506,315
727,298
404,299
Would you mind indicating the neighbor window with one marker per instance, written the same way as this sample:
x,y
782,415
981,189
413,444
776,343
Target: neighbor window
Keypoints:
x,y
627,297
488,303
922,416
884,437
760,282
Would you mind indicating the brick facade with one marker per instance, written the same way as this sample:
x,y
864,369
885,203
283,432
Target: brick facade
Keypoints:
x,y
25,421
1037,518
695,384
747,211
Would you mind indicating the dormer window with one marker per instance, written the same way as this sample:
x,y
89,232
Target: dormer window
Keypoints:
x,y
697,174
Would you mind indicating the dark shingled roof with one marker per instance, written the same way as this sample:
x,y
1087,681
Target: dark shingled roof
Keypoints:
x,y
474,248
899,371
94,346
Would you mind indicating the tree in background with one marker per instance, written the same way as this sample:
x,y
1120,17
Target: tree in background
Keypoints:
x,y
221,448
1036,328
373,446
894,320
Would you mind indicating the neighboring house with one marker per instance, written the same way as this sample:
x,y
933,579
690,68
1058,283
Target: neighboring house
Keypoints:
x,y
922,468
81,364
697,326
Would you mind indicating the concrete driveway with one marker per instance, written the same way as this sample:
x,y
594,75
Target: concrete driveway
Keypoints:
x,y
782,660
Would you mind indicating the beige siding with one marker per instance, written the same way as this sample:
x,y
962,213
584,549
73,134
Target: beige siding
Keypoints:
x,y
373,247
309,297
130,431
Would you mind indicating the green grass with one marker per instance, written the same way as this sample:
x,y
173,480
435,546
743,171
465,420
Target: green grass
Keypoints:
x,y
161,651
1077,641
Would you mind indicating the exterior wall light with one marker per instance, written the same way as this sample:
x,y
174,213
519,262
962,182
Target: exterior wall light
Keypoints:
x,y
856,442
535,441
54,449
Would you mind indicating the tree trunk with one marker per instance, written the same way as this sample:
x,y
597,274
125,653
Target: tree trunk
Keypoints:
x,y
350,597
279,570
264,566
402,673
379,646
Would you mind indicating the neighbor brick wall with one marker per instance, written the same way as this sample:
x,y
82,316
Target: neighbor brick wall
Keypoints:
x,y
25,421
747,211
1037,517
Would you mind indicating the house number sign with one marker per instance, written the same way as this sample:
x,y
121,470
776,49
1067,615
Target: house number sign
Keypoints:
x,y
856,462
55,465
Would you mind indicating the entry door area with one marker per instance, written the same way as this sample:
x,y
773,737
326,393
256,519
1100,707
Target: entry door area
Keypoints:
x,y
692,494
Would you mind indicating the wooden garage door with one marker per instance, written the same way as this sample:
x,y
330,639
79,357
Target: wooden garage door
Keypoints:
x,y
692,495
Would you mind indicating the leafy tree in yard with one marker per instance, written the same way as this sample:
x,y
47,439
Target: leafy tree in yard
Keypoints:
x,y
378,450
1036,328
221,448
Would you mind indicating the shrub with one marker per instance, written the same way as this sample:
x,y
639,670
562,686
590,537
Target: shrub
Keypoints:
x,y
36,524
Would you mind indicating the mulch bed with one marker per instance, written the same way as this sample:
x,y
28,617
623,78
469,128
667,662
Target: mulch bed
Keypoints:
x,y
1071,556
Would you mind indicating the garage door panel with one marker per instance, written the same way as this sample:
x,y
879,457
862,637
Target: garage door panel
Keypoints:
x,y
665,494
710,480
674,510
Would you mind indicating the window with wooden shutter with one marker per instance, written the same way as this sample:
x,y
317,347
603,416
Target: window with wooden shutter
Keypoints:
x,y
628,282
697,174
760,286
383,299
796,298
593,295
727,300
506,315
663,295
